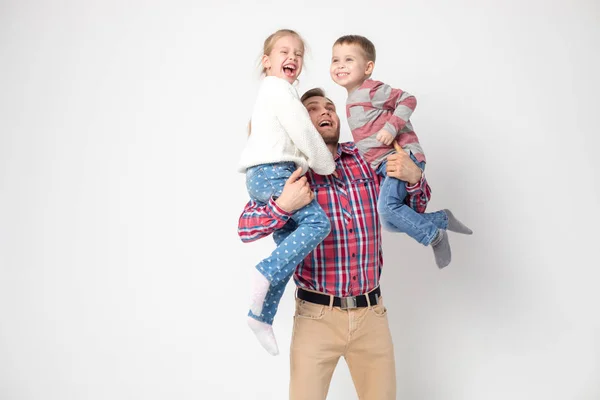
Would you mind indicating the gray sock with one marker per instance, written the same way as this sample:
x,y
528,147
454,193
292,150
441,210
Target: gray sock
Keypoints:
x,y
441,249
455,225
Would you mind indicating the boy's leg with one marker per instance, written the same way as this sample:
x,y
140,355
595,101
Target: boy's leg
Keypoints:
x,y
398,217
401,218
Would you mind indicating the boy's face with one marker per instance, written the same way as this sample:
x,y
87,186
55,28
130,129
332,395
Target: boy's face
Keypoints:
x,y
285,59
349,67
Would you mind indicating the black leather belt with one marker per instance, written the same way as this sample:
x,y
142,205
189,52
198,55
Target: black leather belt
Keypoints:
x,y
344,303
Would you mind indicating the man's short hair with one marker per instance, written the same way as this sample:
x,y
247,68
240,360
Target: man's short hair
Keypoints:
x,y
314,92
365,44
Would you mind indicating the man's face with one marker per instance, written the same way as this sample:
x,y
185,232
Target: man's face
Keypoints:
x,y
324,118
349,67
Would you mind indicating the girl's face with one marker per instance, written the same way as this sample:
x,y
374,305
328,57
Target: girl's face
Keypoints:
x,y
285,59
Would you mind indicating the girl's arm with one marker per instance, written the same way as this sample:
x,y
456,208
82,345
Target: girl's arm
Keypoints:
x,y
294,118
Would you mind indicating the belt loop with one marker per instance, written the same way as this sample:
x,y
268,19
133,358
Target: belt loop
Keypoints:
x,y
368,299
330,302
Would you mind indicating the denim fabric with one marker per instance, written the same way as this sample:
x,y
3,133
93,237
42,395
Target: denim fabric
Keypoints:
x,y
396,216
311,227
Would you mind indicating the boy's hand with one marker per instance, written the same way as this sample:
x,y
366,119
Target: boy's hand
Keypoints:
x,y
385,137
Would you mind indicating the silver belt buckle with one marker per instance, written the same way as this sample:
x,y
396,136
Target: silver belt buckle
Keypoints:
x,y
347,303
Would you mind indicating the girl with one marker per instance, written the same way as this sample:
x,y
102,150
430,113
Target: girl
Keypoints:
x,y
282,139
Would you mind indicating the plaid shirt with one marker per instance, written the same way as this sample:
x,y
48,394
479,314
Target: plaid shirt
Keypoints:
x,y
348,262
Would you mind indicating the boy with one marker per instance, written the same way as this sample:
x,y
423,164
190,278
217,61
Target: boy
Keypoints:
x,y
379,118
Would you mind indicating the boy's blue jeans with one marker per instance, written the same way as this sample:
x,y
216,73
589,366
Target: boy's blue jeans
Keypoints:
x,y
397,216
312,226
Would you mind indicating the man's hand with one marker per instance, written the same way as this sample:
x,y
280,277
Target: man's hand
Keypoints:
x,y
385,137
296,193
401,166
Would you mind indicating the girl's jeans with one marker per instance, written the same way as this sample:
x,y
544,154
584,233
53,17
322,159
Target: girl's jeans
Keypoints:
x,y
312,226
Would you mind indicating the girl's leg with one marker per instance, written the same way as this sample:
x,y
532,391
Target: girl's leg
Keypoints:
x,y
262,325
312,226
273,273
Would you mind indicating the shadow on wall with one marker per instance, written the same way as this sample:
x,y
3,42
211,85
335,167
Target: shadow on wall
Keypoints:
x,y
440,319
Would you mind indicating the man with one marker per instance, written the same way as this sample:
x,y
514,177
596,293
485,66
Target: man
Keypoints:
x,y
339,310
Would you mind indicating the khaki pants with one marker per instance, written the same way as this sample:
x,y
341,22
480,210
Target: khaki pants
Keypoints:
x,y
362,336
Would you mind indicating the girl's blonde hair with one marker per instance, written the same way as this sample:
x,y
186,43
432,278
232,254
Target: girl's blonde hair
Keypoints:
x,y
268,47
274,37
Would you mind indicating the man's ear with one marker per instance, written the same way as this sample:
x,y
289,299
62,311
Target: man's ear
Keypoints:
x,y
370,68
265,61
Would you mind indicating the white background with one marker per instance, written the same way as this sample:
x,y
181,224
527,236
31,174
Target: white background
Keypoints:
x,y
121,123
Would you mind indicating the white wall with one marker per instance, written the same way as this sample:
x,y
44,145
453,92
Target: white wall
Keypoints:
x,y
120,127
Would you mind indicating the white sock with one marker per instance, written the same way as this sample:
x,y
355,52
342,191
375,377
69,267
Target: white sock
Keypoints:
x,y
264,334
260,287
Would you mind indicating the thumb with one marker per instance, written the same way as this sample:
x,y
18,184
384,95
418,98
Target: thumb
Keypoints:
x,y
397,147
295,175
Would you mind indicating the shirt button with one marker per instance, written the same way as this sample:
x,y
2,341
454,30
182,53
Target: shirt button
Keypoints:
x,y
353,278
350,230
353,255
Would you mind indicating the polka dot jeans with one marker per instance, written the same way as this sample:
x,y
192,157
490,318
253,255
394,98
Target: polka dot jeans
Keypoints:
x,y
311,227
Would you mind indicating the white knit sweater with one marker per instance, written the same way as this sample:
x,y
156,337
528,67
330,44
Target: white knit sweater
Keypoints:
x,y
282,131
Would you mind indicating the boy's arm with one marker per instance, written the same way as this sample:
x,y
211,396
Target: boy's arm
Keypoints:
x,y
294,118
401,103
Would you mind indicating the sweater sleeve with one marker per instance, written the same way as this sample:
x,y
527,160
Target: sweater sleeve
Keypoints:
x,y
294,118
401,103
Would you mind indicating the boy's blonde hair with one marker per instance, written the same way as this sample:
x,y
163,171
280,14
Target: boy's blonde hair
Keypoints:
x,y
274,37
365,45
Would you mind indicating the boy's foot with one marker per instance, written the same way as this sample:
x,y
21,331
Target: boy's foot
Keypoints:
x,y
264,334
455,225
260,287
441,249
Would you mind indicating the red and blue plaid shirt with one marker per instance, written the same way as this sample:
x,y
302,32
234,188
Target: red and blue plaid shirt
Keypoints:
x,y
349,261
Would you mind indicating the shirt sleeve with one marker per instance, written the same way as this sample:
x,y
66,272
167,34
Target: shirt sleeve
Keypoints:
x,y
401,103
418,195
294,118
260,220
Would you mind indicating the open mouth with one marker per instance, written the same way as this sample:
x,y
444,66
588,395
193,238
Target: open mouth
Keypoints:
x,y
325,123
342,74
289,70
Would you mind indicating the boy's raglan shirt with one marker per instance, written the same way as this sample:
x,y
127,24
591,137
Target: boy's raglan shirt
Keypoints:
x,y
374,106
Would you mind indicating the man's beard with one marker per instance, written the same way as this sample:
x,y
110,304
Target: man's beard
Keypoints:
x,y
331,138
